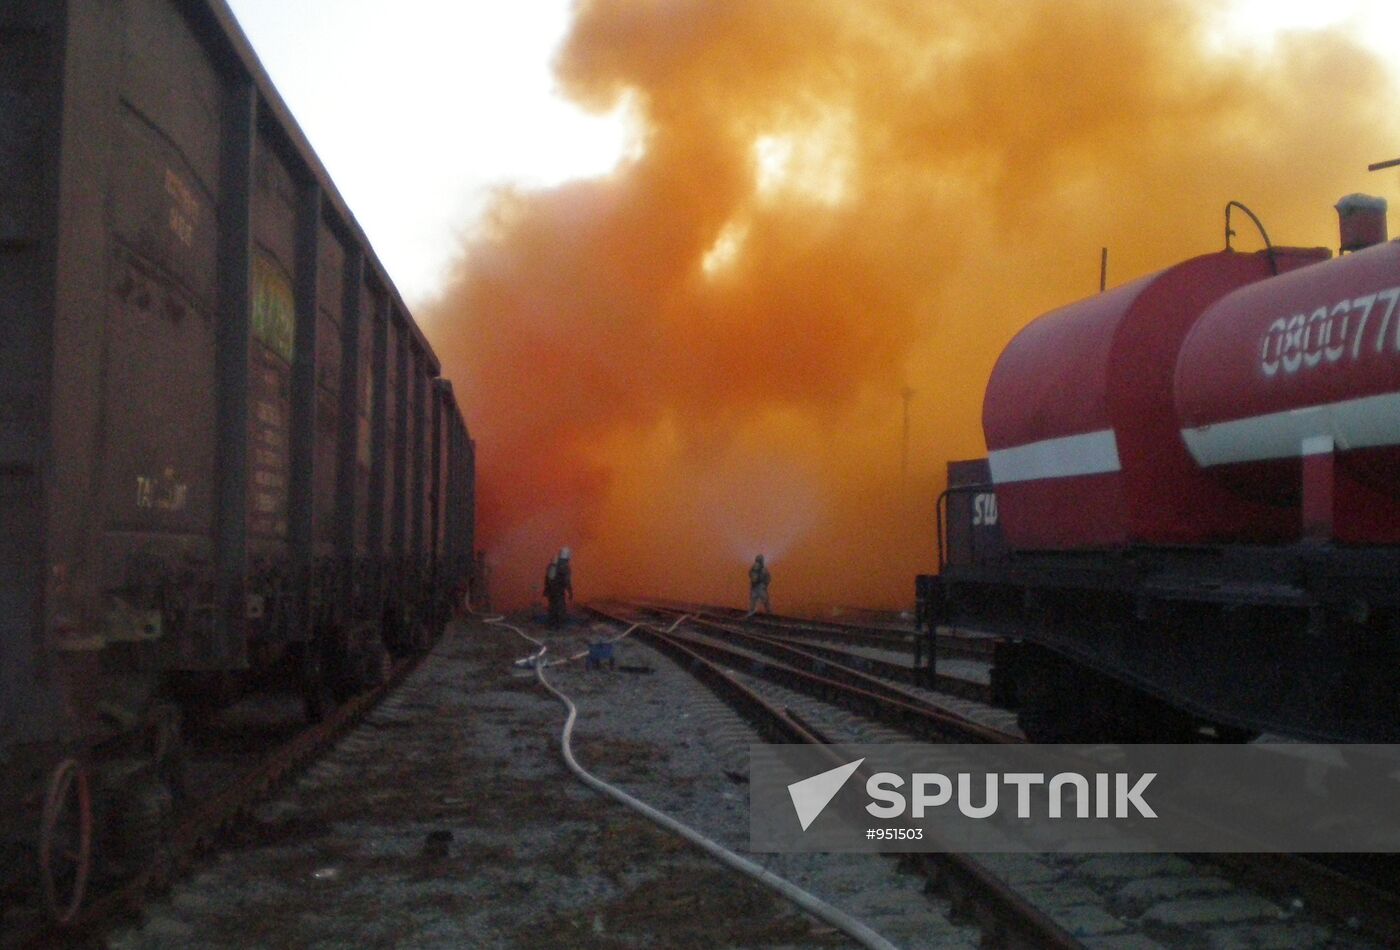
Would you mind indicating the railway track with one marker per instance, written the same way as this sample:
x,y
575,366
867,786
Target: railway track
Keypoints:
x,y
1223,896
950,643
199,828
1005,917
964,658
890,636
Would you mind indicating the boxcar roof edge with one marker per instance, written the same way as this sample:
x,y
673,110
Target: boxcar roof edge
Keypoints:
x,y
242,49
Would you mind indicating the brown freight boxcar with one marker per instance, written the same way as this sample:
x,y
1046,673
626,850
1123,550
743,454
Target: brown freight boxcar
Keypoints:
x,y
223,446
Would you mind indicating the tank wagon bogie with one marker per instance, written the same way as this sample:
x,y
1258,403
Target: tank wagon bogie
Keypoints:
x,y
228,459
1193,483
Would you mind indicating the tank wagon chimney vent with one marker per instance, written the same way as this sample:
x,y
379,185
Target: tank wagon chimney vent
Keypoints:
x,y
1362,219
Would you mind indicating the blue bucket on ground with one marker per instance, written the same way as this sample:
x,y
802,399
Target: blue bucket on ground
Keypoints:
x,y
600,653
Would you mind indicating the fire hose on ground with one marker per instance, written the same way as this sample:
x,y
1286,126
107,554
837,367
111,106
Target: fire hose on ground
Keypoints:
x,y
847,924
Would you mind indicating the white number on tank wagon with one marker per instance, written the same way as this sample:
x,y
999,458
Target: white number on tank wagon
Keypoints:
x,y
1308,340
984,509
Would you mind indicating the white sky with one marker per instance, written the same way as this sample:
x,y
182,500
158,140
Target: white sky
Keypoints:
x,y
418,107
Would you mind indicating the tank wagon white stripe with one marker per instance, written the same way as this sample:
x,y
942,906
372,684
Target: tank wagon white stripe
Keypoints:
x,y
1090,453
1369,422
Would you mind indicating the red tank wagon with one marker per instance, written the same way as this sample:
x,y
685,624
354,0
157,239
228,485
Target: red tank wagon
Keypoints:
x,y
1080,425
1197,485
1289,393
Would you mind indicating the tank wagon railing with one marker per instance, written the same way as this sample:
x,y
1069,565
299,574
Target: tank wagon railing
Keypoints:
x,y
943,520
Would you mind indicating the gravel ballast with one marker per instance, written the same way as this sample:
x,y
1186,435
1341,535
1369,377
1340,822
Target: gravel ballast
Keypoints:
x,y
448,819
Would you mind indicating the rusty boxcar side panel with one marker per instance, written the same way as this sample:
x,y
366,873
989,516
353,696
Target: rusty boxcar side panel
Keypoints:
x,y
411,407
329,427
272,349
369,432
418,483
157,450
427,401
392,536
31,65
442,395
205,374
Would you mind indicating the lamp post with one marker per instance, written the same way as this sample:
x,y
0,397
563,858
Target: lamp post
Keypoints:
x,y
907,393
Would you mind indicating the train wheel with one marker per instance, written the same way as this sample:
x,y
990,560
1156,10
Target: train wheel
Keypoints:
x,y
394,630
422,635
372,663
318,699
168,751
363,661
65,840
142,819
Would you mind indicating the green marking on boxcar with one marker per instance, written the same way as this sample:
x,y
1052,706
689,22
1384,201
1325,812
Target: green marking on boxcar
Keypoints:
x,y
274,310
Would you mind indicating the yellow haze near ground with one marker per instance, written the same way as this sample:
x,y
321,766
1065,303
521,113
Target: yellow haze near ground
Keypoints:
x,y
702,356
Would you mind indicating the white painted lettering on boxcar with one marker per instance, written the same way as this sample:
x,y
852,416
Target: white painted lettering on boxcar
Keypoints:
x,y
184,207
162,493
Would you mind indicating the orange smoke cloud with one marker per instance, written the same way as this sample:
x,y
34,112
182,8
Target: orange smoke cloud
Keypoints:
x,y
702,356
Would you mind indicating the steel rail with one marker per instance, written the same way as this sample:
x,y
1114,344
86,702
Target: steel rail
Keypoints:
x,y
887,637
1353,903
1006,918
199,831
844,686
884,669
950,642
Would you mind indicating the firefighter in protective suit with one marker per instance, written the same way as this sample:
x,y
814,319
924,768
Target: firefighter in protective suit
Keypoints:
x,y
558,584
758,586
